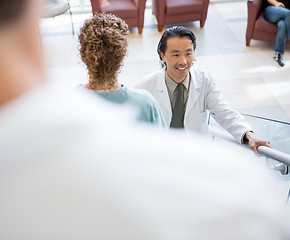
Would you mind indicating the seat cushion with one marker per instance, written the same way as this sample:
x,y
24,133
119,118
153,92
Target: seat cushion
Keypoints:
x,y
175,7
263,25
121,8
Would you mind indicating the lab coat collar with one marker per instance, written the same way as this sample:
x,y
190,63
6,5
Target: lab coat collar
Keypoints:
x,y
171,85
195,84
163,92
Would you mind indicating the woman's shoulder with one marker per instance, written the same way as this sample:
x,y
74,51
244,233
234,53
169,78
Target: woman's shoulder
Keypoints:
x,y
141,95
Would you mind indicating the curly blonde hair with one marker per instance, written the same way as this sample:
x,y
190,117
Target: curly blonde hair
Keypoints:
x,y
103,47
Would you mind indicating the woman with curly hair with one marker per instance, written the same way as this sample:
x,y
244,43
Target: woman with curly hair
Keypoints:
x,y
103,47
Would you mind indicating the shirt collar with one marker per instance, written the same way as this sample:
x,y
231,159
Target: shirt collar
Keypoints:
x,y
172,85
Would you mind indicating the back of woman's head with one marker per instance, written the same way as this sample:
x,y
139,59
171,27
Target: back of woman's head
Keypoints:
x,y
103,46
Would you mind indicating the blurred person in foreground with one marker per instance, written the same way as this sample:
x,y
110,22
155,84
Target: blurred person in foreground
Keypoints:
x,y
69,172
186,94
278,12
103,47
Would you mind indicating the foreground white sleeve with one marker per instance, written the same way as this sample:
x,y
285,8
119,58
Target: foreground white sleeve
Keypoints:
x,y
67,172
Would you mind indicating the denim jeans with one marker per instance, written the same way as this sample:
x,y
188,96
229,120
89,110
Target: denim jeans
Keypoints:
x,y
281,17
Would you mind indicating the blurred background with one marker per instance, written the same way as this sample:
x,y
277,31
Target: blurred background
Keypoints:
x,y
250,79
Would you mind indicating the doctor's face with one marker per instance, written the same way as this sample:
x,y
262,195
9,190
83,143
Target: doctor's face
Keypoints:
x,y
179,56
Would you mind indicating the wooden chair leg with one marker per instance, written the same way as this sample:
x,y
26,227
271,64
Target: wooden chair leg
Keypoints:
x,y
248,41
140,30
160,28
202,24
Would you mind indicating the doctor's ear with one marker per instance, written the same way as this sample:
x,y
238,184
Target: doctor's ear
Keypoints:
x,y
163,58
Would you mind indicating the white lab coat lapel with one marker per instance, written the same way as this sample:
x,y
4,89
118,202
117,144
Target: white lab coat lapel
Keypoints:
x,y
163,98
193,94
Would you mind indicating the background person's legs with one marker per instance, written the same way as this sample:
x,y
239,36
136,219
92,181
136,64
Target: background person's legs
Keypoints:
x,y
281,17
287,21
274,14
281,37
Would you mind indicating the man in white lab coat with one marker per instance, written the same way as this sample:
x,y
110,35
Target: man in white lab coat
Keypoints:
x,y
186,94
75,167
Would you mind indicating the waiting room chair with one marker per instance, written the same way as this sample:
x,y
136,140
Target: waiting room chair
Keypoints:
x,y
258,28
179,11
53,8
131,11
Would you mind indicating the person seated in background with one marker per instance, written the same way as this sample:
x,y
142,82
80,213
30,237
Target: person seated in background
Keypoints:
x,y
184,94
103,47
278,12
69,171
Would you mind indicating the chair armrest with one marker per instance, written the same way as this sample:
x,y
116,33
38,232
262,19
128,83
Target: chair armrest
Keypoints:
x,y
158,7
204,10
140,3
136,2
96,6
254,9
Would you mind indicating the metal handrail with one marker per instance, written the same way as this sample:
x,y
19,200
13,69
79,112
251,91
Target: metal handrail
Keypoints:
x,y
270,152
275,154
267,119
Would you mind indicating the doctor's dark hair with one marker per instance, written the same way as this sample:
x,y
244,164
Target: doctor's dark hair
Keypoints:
x,y
176,31
11,10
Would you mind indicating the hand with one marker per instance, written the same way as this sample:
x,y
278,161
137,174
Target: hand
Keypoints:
x,y
279,4
255,141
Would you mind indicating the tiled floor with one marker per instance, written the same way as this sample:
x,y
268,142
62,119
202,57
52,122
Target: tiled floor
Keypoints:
x,y
250,79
